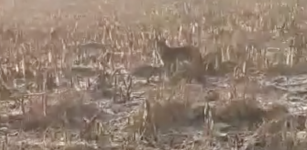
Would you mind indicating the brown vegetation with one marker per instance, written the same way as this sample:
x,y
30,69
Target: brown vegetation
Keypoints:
x,y
68,72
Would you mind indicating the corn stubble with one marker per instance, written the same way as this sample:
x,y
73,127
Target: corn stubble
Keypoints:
x,y
71,83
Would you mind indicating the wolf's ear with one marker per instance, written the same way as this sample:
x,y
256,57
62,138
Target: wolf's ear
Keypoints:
x,y
158,36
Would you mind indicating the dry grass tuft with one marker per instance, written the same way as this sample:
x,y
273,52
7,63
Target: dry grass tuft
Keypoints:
x,y
65,112
161,115
239,111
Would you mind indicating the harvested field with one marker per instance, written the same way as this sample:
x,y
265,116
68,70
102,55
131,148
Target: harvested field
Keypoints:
x,y
86,75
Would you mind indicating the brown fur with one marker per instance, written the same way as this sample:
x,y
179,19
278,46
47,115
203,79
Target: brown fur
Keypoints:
x,y
146,71
171,55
